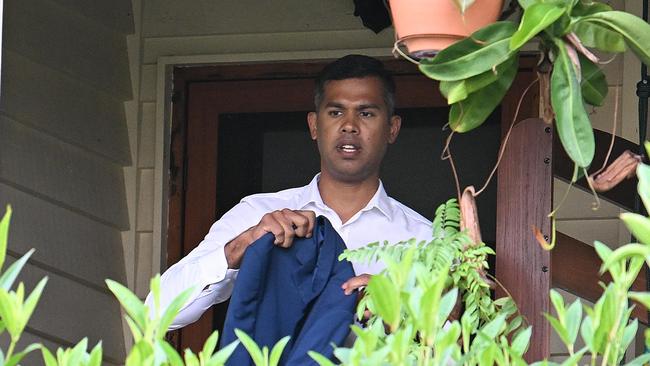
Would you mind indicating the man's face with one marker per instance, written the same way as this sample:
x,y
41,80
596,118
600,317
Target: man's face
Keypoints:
x,y
353,128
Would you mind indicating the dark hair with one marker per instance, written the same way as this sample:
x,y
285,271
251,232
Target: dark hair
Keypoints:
x,y
356,66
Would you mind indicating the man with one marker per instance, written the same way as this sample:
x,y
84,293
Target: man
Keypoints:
x,y
352,125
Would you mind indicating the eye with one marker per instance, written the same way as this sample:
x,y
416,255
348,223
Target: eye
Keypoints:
x,y
366,114
334,113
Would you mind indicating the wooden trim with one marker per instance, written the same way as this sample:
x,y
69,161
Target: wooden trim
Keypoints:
x,y
524,199
576,270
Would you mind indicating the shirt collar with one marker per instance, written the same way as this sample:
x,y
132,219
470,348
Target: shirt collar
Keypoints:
x,y
380,200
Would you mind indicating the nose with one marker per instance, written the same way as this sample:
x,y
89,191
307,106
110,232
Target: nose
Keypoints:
x,y
350,125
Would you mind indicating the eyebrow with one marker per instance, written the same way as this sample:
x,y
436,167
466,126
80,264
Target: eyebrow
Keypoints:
x,y
360,107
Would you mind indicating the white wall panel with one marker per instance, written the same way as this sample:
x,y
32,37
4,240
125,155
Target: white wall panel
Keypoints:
x,y
63,173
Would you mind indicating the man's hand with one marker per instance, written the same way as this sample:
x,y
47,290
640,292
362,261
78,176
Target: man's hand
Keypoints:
x,y
355,283
358,283
284,224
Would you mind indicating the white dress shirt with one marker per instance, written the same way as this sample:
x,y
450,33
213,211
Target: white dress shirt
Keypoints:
x,y
205,268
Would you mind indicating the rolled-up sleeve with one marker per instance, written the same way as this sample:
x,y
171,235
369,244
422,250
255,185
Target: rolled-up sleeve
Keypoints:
x,y
205,269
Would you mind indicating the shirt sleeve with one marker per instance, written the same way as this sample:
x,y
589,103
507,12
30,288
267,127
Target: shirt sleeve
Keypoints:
x,y
205,269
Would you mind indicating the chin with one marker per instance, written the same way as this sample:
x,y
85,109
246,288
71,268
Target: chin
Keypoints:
x,y
348,176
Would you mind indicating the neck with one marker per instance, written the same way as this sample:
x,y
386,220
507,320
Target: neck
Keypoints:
x,y
346,198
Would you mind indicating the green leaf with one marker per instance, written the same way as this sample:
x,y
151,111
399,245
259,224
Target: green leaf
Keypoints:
x,y
638,225
223,354
520,342
537,17
629,333
48,357
31,301
320,359
4,234
573,125
131,304
640,361
558,303
643,173
385,297
600,37
209,346
594,85
96,355
587,333
10,312
276,352
477,107
583,8
635,30
482,51
572,321
525,4
173,357
458,90
625,252
492,329
559,328
573,360
17,357
642,297
603,251
447,303
9,276
190,358
252,348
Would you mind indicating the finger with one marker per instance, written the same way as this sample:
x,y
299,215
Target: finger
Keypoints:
x,y
300,222
311,217
286,239
355,283
269,224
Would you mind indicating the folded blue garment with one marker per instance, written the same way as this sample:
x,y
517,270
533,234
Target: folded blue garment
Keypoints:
x,y
292,291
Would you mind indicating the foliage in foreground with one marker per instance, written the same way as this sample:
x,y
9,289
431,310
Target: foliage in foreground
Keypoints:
x,y
476,73
411,302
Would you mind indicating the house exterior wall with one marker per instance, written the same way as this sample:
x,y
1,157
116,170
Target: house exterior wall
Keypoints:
x,y
64,143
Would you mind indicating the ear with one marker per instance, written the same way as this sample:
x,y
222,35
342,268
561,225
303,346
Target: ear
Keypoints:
x,y
395,125
312,117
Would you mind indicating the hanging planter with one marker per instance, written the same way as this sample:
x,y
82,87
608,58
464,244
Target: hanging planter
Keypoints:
x,y
428,26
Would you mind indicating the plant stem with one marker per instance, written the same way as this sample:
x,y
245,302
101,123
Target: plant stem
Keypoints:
x,y
10,351
593,358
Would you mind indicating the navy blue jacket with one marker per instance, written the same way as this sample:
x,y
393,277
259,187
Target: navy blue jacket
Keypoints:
x,y
294,291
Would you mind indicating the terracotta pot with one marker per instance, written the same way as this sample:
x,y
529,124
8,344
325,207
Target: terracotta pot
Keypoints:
x,y
428,26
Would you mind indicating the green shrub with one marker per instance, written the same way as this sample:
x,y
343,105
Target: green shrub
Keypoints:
x,y
410,303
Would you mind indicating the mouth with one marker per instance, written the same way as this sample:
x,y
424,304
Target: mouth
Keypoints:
x,y
348,148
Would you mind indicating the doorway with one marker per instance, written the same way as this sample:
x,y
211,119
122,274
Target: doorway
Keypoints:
x,y
241,129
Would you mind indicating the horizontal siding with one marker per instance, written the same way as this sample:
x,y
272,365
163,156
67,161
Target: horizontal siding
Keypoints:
x,y
590,230
182,18
579,204
74,244
70,311
27,338
67,41
114,14
64,107
70,176
265,42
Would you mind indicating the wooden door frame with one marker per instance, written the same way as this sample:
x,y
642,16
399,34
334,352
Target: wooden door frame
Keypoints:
x,y
183,76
